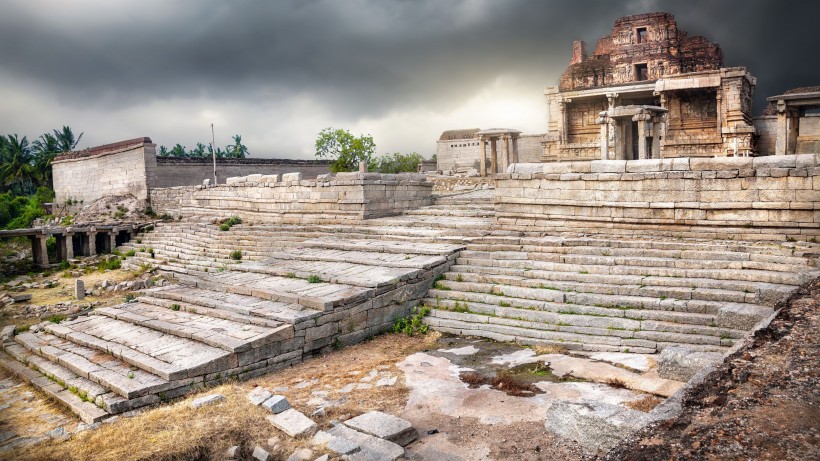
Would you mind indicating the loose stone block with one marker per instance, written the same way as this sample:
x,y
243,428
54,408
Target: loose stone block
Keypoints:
x,y
288,177
79,289
741,316
681,363
207,400
259,395
384,426
293,423
276,404
260,454
597,426
269,179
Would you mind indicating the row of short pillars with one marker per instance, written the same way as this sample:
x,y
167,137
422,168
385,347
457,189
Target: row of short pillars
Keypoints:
x,y
72,244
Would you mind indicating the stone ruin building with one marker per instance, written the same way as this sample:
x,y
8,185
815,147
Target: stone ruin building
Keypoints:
x,y
609,245
647,90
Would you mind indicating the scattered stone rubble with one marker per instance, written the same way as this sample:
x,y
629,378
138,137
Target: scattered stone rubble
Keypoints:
x,y
373,436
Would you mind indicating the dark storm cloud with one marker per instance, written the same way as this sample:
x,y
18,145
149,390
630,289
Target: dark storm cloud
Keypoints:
x,y
361,58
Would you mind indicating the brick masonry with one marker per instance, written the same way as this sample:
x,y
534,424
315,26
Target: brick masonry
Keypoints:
x,y
741,198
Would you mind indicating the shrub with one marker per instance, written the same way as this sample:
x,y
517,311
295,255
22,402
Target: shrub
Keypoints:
x,y
175,307
413,323
314,279
130,297
236,255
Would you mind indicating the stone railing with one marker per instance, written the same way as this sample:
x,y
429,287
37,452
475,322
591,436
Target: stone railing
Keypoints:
x,y
771,197
290,199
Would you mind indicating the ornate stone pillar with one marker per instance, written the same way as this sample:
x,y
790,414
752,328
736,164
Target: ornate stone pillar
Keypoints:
x,y
562,110
483,165
781,144
642,119
602,120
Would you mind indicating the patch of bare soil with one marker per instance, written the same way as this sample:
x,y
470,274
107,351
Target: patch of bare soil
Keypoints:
x,y
763,402
112,208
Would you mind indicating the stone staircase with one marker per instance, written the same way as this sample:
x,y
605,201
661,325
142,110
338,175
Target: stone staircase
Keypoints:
x,y
302,289
296,291
614,294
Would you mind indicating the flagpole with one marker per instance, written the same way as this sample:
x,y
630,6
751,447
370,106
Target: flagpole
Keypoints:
x,y
213,150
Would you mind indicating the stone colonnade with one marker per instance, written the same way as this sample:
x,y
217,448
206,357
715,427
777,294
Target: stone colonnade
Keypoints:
x,y
650,122
73,242
509,150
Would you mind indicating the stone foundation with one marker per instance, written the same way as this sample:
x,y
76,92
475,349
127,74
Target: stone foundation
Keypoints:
x,y
346,196
730,198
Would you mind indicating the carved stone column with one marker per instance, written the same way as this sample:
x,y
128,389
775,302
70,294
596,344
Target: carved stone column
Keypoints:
x,y
493,155
602,120
483,163
505,152
781,144
642,119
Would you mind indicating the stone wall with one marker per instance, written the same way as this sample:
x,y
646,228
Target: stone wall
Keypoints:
x,y
173,172
457,184
734,198
766,127
346,196
125,167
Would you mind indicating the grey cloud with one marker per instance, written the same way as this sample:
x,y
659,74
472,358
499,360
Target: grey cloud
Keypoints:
x,y
365,58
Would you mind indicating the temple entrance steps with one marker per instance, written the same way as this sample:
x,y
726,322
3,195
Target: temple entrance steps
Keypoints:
x,y
299,293
611,294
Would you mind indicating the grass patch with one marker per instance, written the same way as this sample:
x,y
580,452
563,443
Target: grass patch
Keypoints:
x,y
56,318
175,307
236,255
413,323
230,222
313,278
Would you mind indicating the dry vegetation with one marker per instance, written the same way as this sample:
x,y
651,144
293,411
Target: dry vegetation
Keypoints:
x,y
177,432
646,404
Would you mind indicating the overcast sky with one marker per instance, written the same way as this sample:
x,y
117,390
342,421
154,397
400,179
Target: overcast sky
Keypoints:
x,y
277,72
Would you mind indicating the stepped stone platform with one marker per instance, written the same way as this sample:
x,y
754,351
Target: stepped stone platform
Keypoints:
x,y
303,289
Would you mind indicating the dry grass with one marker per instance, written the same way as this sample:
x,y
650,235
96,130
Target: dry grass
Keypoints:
x,y
549,349
645,404
177,432
617,383
472,379
514,387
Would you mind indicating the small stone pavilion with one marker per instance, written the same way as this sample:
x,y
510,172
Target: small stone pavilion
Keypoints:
x,y
649,90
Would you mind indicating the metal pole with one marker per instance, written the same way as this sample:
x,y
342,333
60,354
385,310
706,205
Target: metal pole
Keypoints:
x,y
213,150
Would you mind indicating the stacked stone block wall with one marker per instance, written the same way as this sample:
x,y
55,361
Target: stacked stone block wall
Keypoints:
x,y
88,178
346,196
772,197
172,172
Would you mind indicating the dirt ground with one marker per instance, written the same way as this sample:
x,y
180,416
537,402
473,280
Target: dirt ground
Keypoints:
x,y
763,403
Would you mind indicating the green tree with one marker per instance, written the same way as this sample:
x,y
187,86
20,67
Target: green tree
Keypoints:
x,y
65,139
346,150
396,163
163,151
237,150
16,169
178,151
219,152
198,151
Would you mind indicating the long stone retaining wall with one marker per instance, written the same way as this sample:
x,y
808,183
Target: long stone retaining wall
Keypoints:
x,y
773,197
345,196
172,171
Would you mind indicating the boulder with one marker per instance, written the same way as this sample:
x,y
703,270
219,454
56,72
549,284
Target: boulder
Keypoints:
x,y
681,363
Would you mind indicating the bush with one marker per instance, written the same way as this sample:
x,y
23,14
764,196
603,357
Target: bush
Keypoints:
x,y
413,323
314,279
396,163
18,212
236,255
230,222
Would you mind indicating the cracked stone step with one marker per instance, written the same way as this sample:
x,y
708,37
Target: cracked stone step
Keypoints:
x,y
371,448
168,356
104,369
383,246
336,272
224,334
235,303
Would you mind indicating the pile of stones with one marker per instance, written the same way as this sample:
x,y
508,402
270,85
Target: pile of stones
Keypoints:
x,y
372,436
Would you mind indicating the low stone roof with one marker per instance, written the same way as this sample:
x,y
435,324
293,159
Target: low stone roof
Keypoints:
x,y
104,149
451,135
804,89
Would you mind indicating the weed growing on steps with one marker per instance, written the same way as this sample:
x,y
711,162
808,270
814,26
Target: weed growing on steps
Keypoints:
x,y
130,297
230,222
314,279
236,255
175,307
413,323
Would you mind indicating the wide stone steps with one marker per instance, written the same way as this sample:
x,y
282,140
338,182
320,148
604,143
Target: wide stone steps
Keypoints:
x,y
168,356
639,287
87,411
525,332
227,334
126,380
746,275
335,272
228,305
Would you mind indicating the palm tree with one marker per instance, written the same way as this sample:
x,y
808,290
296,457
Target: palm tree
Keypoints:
x,y
198,151
65,139
178,151
44,150
17,164
238,150
163,151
